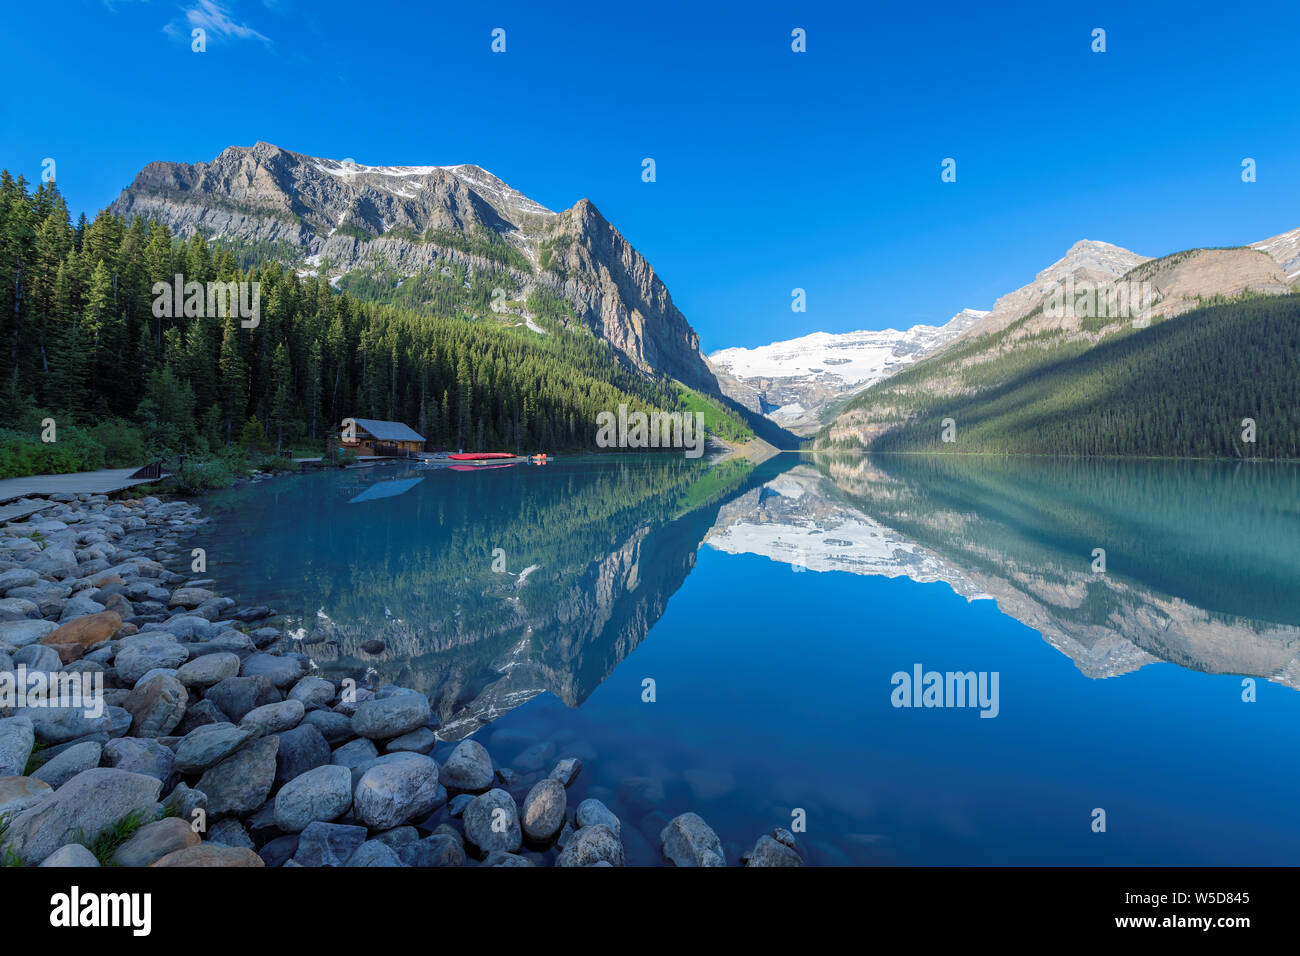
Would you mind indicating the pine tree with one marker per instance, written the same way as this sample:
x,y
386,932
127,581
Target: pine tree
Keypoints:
x,y
233,381
282,401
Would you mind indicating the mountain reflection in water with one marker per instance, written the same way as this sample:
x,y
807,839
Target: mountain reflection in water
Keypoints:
x,y
779,598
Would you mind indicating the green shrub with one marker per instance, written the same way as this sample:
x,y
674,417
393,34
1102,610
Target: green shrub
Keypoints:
x,y
196,476
123,443
252,437
354,231
24,453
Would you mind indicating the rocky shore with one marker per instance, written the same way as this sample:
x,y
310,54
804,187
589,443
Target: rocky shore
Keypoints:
x,y
204,739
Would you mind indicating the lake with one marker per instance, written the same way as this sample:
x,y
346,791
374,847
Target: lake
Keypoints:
x,y
1141,620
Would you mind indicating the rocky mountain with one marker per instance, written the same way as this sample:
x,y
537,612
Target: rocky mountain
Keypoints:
x,y
796,381
343,219
1085,261
1027,329
1177,282
1285,251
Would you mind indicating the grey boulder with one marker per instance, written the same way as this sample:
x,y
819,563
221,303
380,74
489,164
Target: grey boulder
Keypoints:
x,y
17,738
381,719
241,783
81,809
492,822
319,795
61,768
396,788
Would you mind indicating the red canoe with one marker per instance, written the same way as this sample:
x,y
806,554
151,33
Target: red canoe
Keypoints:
x,y
481,456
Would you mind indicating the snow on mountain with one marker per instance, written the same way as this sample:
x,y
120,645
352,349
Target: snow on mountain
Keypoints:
x,y
1285,251
792,382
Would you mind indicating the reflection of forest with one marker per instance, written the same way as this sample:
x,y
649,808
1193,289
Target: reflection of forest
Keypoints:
x,y
1202,558
435,572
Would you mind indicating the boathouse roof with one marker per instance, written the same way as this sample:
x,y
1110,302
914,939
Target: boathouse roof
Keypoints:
x,y
388,431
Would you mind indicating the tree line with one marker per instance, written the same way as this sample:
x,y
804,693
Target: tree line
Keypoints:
x,y
1219,381
84,345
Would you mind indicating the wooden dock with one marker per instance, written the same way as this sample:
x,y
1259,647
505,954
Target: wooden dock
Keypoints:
x,y
78,483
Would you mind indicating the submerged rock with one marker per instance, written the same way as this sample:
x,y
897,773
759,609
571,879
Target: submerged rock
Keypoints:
x,y
689,841
592,845
469,768
567,770
543,812
769,852
591,812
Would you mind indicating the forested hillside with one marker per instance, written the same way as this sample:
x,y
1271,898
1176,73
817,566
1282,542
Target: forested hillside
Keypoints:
x,y
85,347
1179,388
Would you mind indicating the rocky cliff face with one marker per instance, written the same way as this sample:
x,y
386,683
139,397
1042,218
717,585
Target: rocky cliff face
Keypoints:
x,y
615,290
337,216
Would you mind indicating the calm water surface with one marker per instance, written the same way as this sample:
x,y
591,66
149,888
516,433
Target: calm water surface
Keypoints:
x,y
771,606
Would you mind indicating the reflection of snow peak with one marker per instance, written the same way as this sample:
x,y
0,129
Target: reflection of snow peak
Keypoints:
x,y
848,546
792,521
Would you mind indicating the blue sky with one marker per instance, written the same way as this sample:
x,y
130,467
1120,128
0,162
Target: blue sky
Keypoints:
x,y
776,170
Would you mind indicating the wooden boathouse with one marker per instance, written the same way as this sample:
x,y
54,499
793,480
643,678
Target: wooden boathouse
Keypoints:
x,y
369,437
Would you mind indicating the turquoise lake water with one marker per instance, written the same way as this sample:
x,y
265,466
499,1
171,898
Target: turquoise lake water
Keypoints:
x,y
772,606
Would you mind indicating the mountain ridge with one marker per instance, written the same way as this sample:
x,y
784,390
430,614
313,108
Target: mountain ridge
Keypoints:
x,y
346,218
1006,354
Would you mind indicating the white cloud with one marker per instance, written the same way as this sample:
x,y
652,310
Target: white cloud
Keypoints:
x,y
217,21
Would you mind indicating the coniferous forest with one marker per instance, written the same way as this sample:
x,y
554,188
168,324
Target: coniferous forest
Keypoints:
x,y
1184,387
84,347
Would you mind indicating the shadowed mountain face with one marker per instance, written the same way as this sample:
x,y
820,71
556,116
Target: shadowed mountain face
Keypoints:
x,y
1073,311
1201,558
343,219
487,588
